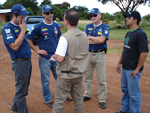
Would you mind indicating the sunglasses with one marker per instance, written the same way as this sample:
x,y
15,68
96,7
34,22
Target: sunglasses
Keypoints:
x,y
47,13
95,15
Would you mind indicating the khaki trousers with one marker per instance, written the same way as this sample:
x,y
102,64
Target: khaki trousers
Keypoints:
x,y
97,60
63,88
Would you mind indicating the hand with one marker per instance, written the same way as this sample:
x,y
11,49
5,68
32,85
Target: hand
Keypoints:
x,y
118,68
52,59
134,73
22,25
42,52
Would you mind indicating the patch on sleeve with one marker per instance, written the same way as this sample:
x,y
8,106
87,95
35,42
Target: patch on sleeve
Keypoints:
x,y
106,31
9,37
7,30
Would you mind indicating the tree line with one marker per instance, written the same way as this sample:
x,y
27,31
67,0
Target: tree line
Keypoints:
x,y
59,9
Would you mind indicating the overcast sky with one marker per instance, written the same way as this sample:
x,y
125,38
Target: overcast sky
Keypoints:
x,y
110,8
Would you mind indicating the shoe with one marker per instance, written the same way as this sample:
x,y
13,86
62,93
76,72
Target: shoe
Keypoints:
x,y
86,98
50,104
69,99
120,112
14,111
103,105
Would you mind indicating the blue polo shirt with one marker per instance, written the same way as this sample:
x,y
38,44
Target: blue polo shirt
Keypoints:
x,y
100,30
47,37
10,33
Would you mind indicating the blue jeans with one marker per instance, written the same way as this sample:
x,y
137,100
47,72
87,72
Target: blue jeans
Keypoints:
x,y
45,67
131,98
22,70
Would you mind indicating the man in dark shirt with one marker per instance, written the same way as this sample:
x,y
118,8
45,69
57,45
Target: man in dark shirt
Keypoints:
x,y
132,59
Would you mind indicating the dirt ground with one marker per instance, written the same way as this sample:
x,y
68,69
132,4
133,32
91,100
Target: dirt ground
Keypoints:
x,y
35,100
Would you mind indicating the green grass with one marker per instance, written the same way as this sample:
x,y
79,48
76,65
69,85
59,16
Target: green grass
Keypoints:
x,y
114,33
1,26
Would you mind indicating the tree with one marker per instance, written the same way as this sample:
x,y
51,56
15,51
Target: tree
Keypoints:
x,y
126,5
82,10
64,5
33,4
45,2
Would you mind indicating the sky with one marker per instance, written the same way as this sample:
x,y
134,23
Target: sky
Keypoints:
x,y
109,8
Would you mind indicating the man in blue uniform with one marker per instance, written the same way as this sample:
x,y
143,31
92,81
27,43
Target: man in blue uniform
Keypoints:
x,y
48,33
132,59
20,53
98,34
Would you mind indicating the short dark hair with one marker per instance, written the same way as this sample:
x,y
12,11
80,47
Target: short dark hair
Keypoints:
x,y
72,17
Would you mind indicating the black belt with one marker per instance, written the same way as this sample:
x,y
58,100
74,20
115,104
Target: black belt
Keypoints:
x,y
95,51
16,59
70,72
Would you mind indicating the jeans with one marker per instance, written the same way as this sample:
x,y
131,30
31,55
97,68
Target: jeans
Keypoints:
x,y
131,98
22,70
45,67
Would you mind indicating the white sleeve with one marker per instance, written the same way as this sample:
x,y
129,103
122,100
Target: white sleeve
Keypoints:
x,y
62,46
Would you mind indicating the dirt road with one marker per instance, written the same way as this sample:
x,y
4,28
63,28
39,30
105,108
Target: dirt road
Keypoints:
x,y
35,100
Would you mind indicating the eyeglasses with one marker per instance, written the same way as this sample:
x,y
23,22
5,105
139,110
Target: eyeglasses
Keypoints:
x,y
95,15
47,13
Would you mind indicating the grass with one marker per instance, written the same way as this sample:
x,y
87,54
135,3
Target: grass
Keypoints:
x,y
114,33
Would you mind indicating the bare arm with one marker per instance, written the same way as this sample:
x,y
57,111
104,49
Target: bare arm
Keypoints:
x,y
58,58
118,68
18,42
142,59
43,52
96,40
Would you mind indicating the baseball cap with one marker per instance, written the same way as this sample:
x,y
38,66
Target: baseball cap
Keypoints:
x,y
46,8
134,14
19,9
94,11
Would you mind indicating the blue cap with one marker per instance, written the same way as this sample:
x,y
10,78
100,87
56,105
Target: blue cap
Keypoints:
x,y
46,8
19,9
94,11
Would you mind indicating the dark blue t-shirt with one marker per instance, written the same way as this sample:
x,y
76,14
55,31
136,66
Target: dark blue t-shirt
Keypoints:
x,y
135,43
100,30
10,33
47,37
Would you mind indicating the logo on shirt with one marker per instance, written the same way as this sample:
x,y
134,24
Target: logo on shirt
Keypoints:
x,y
45,29
106,31
99,33
126,43
45,33
89,28
7,30
9,37
16,30
46,38
56,32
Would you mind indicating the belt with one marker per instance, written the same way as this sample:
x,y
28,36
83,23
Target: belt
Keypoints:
x,y
16,59
70,72
95,51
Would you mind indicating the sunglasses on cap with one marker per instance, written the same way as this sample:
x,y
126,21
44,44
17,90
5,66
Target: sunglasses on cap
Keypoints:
x,y
47,13
95,15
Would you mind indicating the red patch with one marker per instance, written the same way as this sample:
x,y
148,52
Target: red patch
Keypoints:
x,y
55,35
45,33
89,32
15,11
